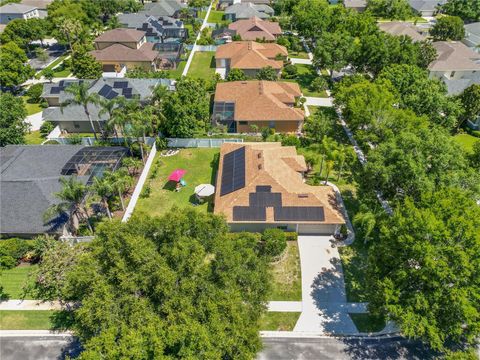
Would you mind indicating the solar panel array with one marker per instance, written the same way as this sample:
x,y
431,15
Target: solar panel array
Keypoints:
x,y
249,213
233,175
263,188
265,199
299,213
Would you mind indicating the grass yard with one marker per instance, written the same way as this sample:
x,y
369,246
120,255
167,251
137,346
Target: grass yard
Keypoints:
x,y
279,321
306,74
297,54
55,63
35,320
201,166
466,141
177,73
287,276
368,323
31,107
215,16
12,281
34,138
203,65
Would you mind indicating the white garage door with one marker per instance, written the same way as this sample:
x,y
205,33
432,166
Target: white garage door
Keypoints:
x,y
322,229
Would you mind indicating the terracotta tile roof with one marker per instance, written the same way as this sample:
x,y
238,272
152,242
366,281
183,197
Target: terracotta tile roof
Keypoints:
x,y
267,164
251,55
255,28
399,28
261,100
454,56
121,35
120,52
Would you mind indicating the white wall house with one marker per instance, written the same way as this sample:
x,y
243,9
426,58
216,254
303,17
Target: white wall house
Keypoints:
x,y
13,11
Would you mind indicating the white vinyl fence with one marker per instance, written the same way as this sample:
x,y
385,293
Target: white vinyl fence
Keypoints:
x,y
199,143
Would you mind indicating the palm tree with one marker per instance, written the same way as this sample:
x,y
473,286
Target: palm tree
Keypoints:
x,y
341,156
328,166
132,165
140,124
71,203
81,96
121,182
70,28
104,188
111,108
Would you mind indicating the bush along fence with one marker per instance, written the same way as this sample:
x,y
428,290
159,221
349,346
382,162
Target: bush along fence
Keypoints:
x,y
194,143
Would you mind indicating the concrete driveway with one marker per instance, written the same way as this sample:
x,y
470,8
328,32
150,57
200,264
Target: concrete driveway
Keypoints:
x,y
324,301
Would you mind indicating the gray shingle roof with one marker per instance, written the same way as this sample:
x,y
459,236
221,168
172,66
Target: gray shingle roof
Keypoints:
x,y
29,178
142,88
163,8
13,8
249,10
426,5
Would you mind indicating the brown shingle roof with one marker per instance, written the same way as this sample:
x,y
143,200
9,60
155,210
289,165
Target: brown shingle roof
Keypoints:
x,y
121,35
399,28
255,28
261,100
275,170
251,55
120,52
454,56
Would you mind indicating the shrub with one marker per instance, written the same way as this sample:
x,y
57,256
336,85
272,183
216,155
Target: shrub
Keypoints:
x,y
7,262
274,242
291,140
46,128
161,143
290,71
15,248
319,84
34,92
74,139
291,236
146,191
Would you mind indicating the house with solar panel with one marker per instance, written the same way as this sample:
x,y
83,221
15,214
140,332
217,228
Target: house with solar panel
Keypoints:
x,y
30,178
261,185
72,118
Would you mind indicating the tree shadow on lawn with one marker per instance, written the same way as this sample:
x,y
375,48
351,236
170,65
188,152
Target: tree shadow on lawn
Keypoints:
x,y
170,185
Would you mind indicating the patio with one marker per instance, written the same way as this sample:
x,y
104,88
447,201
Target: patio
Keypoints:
x,y
200,166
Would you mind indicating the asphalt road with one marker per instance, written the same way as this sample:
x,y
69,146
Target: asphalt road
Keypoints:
x,y
38,347
55,347
342,349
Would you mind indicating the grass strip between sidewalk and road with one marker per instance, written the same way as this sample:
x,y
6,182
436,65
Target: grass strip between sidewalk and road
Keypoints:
x,y
279,321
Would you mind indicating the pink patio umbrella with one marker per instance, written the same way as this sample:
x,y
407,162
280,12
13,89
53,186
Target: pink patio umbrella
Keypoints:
x,y
177,175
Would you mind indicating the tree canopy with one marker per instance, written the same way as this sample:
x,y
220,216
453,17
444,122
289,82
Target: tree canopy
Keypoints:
x,y
424,269
186,110
13,68
468,10
12,124
173,287
390,9
448,28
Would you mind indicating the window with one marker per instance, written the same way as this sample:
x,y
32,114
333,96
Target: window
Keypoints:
x,y
243,122
282,227
76,125
271,124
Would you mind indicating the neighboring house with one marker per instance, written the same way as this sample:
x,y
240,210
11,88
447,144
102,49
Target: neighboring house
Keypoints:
x,y
426,8
30,177
72,118
357,5
247,11
457,66
171,8
157,30
239,105
14,11
249,56
223,35
223,4
39,4
399,28
261,185
472,36
125,48
256,29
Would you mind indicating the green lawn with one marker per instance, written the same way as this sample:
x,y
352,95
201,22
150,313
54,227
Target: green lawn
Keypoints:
x,y
368,323
287,276
30,107
279,321
203,65
201,166
306,74
34,138
35,320
13,280
215,16
177,73
298,54
466,141
55,63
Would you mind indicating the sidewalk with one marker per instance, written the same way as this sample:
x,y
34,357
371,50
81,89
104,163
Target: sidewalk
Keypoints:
x,y
285,306
29,305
